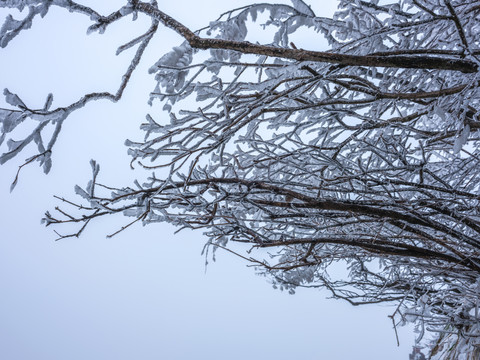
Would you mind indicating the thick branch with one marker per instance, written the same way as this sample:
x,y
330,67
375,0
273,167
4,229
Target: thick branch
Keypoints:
x,y
376,245
397,61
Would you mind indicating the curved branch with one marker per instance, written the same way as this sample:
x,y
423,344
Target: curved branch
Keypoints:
x,y
396,61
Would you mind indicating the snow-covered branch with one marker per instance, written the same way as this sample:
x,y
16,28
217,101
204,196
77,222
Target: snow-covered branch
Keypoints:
x,y
364,155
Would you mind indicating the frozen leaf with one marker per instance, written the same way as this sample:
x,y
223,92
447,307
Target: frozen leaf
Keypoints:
x,y
48,102
10,119
13,99
81,192
302,7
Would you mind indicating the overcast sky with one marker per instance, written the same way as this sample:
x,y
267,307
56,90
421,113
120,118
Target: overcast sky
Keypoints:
x,y
143,294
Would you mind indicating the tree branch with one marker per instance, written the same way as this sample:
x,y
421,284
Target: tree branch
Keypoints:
x,y
245,47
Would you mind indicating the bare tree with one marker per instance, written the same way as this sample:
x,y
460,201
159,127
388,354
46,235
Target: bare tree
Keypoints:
x,y
363,157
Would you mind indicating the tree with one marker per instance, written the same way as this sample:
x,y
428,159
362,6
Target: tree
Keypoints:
x,y
362,157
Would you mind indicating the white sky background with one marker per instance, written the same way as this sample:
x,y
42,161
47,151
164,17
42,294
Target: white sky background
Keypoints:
x,y
143,294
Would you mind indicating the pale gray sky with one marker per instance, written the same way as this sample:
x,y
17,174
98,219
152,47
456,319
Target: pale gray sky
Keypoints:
x,y
143,294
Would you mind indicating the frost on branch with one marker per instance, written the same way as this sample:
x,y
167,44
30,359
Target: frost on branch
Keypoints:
x,y
48,122
364,157
10,119
11,27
